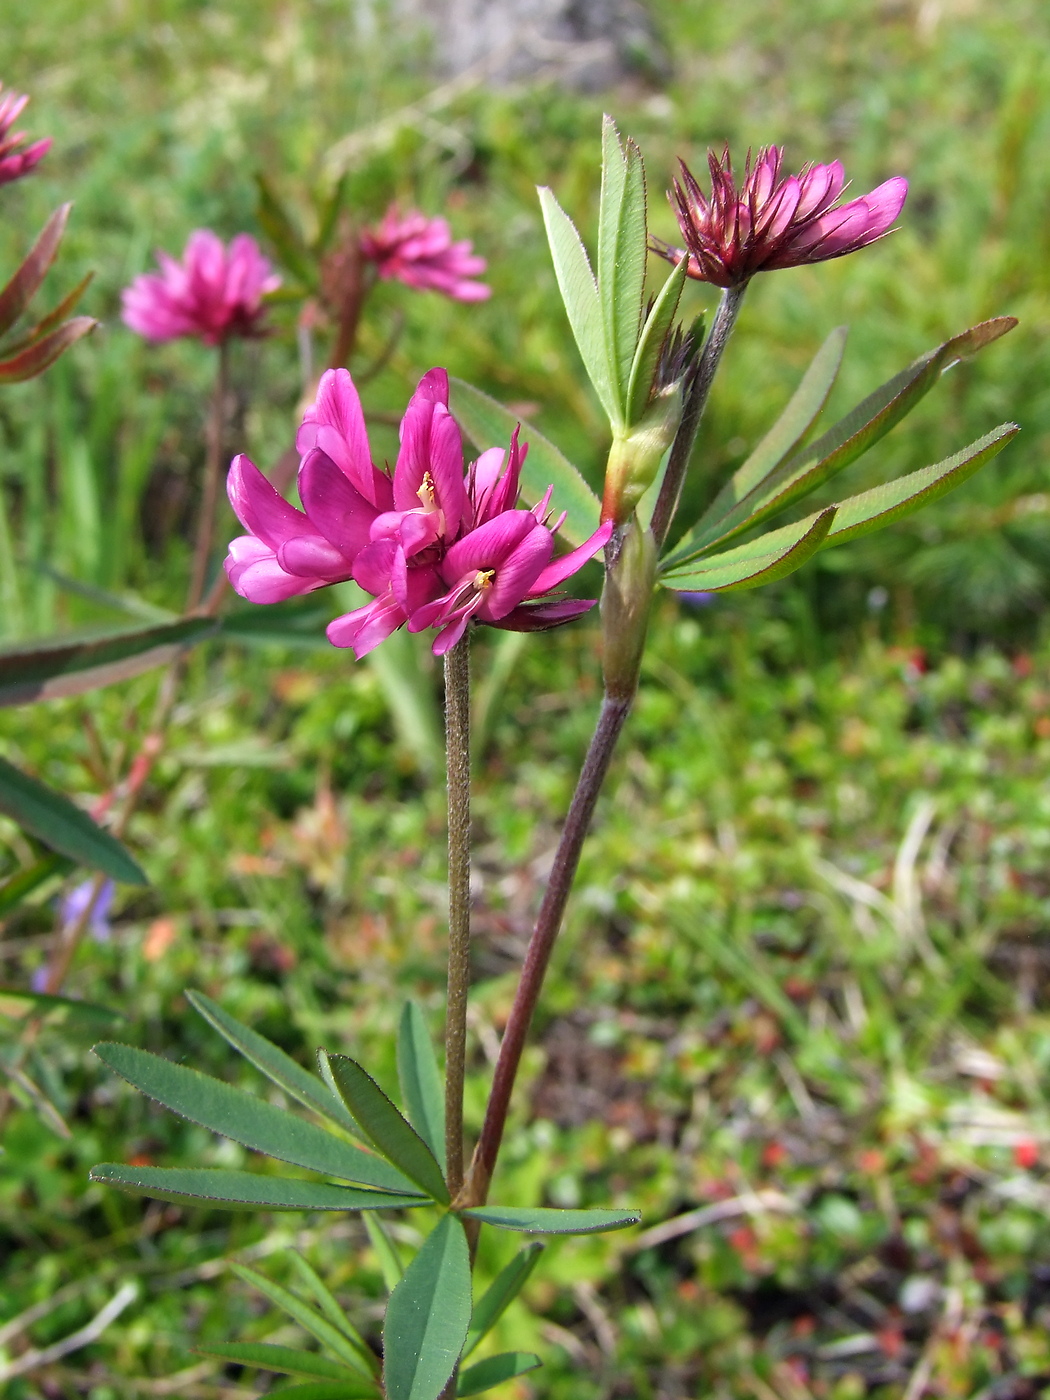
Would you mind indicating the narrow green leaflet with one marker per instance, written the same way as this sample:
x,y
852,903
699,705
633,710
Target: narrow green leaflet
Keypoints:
x,y
428,1316
390,1265
24,882
494,1370
420,1079
324,1299
359,1356
23,286
488,424
764,560
248,1120
871,510
847,440
501,1292
282,233
622,247
35,358
20,1005
579,292
540,1220
655,331
274,1063
64,667
236,1190
392,1134
783,437
63,826
268,1357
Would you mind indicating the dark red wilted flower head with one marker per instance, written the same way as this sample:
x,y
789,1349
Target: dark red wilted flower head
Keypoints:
x,y
771,221
13,162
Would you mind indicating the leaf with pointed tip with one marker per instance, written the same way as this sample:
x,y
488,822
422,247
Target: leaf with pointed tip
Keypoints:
x,y
256,1124
871,510
235,1190
63,826
52,319
488,424
357,1355
49,670
324,1299
428,1316
540,1220
267,1357
22,287
501,1292
327,1390
385,1126
787,432
655,331
24,882
494,1370
622,245
764,560
843,443
420,1079
390,1265
35,358
579,292
274,1063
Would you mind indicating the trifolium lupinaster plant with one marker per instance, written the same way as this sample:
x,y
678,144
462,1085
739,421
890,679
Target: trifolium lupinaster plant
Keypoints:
x,y
448,541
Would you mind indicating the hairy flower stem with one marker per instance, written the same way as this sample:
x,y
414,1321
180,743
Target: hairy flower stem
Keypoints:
x,y
695,403
457,744
212,476
611,720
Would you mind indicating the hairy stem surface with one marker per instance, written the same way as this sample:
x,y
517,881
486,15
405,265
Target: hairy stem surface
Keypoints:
x,y
457,742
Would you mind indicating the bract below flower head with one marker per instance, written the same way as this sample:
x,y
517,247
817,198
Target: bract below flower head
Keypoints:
x,y
421,253
769,221
214,293
13,162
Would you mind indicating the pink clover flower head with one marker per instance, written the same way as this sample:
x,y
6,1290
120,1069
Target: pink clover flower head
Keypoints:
x,y
771,221
435,545
13,162
421,253
214,293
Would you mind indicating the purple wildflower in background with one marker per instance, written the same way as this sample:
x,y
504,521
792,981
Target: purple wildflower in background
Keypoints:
x,y
420,252
772,222
215,292
13,162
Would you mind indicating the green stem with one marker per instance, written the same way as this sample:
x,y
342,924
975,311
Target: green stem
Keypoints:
x,y
457,740
212,477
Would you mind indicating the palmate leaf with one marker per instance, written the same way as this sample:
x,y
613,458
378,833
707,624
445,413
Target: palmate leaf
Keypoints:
x,y
488,424
61,825
499,1295
730,514
579,292
385,1126
764,560
274,1063
236,1190
428,1316
420,1079
494,1370
224,1109
353,1351
541,1220
266,1356
621,253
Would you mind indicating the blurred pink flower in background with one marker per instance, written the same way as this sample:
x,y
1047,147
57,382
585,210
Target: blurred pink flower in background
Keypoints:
x,y
420,252
435,546
771,222
214,293
13,162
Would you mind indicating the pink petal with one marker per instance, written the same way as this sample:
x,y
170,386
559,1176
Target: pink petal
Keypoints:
x,y
365,628
260,507
559,570
310,556
489,545
516,576
339,512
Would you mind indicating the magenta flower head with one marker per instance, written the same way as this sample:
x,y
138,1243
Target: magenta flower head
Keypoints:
x,y
435,546
420,252
13,162
214,293
770,221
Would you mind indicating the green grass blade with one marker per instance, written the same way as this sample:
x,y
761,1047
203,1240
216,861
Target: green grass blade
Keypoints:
x,y
324,1299
488,424
541,1220
267,1357
494,1370
236,1190
621,253
274,1063
361,1359
420,1079
390,1265
501,1292
22,883
224,1109
20,1005
764,560
386,1127
61,825
428,1316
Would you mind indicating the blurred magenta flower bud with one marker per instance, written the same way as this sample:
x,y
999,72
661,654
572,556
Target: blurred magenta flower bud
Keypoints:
x,y
420,252
13,162
214,293
770,221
